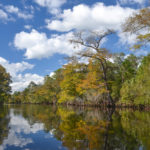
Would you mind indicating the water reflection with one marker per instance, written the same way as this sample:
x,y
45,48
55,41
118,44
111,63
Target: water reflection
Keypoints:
x,y
47,127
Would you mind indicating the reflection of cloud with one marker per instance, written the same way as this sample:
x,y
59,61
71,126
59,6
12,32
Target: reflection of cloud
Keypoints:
x,y
15,140
18,125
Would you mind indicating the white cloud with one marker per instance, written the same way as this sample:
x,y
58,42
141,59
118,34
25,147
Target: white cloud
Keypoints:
x,y
25,15
52,74
14,68
127,38
3,15
122,2
11,9
96,17
15,10
38,45
20,81
28,27
52,5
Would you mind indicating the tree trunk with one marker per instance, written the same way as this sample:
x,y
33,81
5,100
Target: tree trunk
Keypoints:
x,y
110,99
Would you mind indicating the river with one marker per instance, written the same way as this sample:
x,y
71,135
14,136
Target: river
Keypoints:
x,y
41,127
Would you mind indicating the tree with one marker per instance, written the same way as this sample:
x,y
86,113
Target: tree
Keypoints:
x,y
5,88
49,91
136,90
92,86
43,93
92,44
139,24
73,73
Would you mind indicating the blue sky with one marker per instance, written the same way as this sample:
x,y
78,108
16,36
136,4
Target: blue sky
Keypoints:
x,y
34,34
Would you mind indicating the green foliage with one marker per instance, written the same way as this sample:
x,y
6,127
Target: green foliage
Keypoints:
x,y
4,123
136,125
73,76
79,83
136,90
5,88
46,93
92,86
124,69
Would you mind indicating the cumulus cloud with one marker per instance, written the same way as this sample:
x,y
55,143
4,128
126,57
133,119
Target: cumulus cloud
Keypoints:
x,y
38,45
15,68
96,17
20,81
52,5
15,10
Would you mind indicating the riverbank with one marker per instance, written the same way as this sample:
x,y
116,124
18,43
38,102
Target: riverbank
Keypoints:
x,y
102,105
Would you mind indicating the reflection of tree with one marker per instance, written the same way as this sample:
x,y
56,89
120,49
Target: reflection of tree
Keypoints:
x,y
72,138
43,114
83,130
4,121
80,128
94,133
117,137
109,113
137,125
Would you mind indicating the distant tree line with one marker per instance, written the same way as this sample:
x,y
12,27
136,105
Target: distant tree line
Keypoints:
x,y
80,83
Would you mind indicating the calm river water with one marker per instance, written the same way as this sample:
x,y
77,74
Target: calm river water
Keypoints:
x,y
34,127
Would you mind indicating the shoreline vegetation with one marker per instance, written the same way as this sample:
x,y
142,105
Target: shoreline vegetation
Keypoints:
x,y
94,76
123,106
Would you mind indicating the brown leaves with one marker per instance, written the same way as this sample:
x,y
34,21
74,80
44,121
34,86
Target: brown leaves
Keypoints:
x,y
138,21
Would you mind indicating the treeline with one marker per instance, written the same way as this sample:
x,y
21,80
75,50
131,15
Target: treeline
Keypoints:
x,y
80,83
